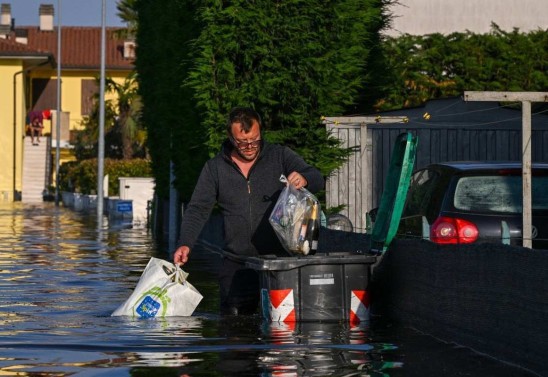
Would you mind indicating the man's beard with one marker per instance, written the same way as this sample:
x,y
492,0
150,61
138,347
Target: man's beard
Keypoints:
x,y
249,157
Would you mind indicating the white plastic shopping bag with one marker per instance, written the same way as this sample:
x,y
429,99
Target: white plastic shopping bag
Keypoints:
x,y
162,291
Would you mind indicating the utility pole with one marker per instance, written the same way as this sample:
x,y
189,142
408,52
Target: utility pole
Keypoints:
x,y
101,141
526,98
59,107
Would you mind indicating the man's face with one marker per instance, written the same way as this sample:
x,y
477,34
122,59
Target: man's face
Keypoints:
x,y
246,144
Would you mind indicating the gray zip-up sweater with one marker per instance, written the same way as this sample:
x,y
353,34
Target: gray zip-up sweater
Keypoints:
x,y
245,204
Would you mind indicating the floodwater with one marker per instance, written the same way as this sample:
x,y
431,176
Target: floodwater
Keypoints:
x,y
61,278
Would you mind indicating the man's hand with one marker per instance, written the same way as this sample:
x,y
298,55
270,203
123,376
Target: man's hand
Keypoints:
x,y
181,255
297,180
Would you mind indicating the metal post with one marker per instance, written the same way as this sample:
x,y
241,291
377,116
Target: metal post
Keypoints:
x,y
101,141
525,98
15,133
58,111
526,174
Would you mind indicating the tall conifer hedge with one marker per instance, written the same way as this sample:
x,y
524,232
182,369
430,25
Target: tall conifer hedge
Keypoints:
x,y
292,60
165,30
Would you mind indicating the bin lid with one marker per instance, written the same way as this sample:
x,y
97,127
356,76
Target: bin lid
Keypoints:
x,y
395,192
273,263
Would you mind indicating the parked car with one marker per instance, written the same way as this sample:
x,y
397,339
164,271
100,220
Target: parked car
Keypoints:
x,y
472,202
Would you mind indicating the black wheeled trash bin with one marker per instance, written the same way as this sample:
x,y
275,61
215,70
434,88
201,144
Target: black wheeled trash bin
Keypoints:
x,y
321,287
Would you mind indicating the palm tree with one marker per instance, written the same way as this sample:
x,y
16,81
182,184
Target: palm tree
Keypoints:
x,y
129,110
128,14
124,135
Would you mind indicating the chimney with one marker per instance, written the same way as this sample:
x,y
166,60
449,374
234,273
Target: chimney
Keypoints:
x,y
129,49
46,17
5,14
5,20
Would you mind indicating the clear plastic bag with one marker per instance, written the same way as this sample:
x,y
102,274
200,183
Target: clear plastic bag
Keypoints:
x,y
292,219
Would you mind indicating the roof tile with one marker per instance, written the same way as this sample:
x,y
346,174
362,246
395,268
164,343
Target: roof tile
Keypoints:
x,y
10,47
80,49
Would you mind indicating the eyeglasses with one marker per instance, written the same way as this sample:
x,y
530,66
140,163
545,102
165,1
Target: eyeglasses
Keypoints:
x,y
241,145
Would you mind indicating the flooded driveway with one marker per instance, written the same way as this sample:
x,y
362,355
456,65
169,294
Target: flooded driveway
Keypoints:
x,y
61,278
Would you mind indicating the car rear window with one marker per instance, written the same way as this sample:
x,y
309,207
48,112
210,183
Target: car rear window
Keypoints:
x,y
498,194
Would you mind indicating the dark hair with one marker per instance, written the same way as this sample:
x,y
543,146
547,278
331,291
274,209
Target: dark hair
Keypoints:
x,y
245,116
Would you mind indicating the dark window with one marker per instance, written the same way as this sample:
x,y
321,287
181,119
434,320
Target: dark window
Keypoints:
x,y
89,90
44,94
420,192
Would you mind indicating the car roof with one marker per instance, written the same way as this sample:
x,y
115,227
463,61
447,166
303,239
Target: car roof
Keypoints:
x,y
486,165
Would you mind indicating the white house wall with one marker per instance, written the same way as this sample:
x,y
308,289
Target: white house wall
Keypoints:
x,y
419,17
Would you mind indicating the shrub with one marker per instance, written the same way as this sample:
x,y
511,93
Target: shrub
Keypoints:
x,y
81,176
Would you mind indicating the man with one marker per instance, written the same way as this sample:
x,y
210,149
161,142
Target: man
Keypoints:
x,y
36,119
243,179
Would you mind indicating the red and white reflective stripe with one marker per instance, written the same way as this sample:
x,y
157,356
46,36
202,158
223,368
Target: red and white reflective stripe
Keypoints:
x,y
359,306
282,305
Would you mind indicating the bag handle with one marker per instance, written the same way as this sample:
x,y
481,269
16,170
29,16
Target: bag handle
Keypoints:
x,y
176,273
180,275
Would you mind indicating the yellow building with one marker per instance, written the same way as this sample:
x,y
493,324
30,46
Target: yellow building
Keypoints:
x,y
28,83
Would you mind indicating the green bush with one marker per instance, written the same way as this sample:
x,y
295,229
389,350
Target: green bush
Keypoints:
x,y
81,176
433,66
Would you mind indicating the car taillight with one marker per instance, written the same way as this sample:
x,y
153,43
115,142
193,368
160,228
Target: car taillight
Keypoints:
x,y
449,230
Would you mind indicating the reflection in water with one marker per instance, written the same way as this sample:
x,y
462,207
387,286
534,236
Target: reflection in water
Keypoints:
x,y
327,347
61,278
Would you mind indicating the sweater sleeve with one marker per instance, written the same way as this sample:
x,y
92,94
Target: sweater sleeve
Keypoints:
x,y
294,162
199,208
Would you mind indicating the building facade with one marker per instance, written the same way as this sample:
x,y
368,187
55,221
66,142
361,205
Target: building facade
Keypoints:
x,y
29,59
